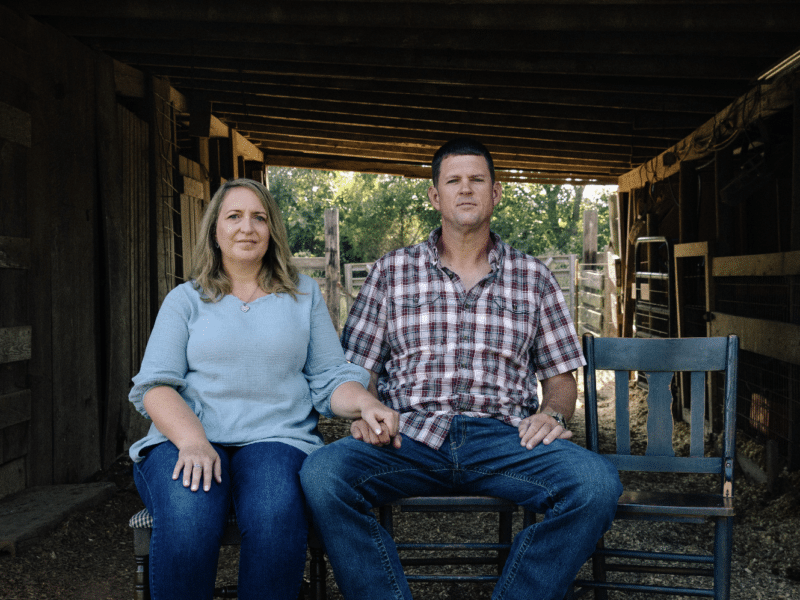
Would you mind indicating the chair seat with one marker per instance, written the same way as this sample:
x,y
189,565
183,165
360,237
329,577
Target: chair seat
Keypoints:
x,y
144,520
454,504
674,504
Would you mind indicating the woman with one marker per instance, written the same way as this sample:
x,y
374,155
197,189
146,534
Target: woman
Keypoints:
x,y
241,361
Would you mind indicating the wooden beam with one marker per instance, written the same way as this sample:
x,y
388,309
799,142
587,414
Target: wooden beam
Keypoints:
x,y
484,60
433,82
502,160
424,118
652,115
758,103
767,338
523,142
757,265
794,241
667,44
623,18
336,163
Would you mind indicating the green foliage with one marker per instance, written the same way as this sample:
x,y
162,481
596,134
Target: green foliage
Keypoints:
x,y
378,213
548,219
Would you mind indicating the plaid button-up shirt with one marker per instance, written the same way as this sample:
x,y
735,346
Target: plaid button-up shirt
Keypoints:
x,y
440,350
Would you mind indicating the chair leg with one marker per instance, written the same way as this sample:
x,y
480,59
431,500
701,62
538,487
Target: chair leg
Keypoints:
x,y
723,548
318,572
504,538
599,572
141,585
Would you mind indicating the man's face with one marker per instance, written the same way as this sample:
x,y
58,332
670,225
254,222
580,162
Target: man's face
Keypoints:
x,y
465,194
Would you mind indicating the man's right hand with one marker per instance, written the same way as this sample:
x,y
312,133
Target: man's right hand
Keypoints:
x,y
361,431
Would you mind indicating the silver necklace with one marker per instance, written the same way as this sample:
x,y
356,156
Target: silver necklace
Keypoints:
x,y
244,307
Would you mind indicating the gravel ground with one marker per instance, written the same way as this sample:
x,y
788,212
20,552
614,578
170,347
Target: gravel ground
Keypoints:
x,y
90,557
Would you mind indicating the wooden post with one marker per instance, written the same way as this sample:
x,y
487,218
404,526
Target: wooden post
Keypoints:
x,y
795,225
590,238
332,263
162,189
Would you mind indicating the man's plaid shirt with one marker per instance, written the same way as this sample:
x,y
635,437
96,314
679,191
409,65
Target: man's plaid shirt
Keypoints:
x,y
442,351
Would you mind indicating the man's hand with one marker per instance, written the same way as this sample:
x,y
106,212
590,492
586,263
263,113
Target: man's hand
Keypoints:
x,y
360,430
541,428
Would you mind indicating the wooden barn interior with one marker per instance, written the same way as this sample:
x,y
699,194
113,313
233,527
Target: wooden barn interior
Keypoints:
x,y
119,119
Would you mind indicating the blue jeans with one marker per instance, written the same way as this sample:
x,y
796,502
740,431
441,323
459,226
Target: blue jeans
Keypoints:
x,y
575,489
261,480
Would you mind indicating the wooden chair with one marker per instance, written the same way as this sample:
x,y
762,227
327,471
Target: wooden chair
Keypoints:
x,y
489,553
658,359
142,524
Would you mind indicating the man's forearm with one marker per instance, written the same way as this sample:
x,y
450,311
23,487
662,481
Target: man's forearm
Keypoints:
x,y
559,394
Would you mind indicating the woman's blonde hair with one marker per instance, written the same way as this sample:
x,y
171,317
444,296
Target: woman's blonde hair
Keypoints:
x,y
277,274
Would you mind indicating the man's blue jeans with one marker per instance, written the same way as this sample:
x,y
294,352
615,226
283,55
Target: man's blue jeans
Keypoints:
x,y
261,480
575,489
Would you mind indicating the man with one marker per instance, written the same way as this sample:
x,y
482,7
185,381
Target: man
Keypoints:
x,y
455,332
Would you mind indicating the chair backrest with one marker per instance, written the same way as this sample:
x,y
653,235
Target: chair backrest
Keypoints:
x,y
658,359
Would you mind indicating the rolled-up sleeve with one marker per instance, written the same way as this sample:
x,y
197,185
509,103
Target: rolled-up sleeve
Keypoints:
x,y
326,367
164,362
364,336
558,348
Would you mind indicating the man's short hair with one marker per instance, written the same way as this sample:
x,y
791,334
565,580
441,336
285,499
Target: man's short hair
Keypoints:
x,y
460,147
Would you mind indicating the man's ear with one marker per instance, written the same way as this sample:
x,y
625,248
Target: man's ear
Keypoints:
x,y
433,196
497,193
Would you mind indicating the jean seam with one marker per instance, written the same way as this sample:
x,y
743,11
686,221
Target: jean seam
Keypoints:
x,y
358,483
374,530
552,492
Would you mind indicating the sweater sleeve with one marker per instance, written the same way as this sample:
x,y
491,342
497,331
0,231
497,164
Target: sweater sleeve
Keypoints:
x,y
165,362
326,367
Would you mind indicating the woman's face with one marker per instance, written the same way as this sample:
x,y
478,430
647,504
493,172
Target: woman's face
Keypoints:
x,y
242,228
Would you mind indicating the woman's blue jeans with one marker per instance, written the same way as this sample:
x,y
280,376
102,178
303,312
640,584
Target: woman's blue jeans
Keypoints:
x,y
576,490
261,481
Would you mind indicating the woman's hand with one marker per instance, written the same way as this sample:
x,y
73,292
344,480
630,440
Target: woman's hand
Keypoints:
x,y
198,461
376,423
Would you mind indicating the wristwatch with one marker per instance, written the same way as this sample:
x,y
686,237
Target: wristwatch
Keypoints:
x,y
558,417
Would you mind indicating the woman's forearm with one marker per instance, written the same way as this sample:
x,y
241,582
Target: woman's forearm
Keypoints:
x,y
173,417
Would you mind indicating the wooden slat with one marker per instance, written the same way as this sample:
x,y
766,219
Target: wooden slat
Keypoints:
x,y
757,265
15,125
15,408
15,344
12,477
768,338
688,354
310,262
15,253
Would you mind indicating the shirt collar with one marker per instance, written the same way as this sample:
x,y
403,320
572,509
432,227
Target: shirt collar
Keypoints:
x,y
496,254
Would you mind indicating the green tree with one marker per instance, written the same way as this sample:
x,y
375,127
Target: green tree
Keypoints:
x,y
548,219
380,213
303,195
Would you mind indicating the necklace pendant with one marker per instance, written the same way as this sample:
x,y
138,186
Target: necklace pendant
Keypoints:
x,y
244,308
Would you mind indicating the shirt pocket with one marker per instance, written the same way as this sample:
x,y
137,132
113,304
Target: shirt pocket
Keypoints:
x,y
415,323
512,324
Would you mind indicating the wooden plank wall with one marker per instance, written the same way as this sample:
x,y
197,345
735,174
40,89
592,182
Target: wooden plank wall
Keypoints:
x,y
135,177
63,213
15,256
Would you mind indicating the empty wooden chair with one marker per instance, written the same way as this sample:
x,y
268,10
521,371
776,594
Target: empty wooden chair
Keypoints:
x,y
658,360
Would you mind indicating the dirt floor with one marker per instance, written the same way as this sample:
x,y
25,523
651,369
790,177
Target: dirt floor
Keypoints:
x,y
90,556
